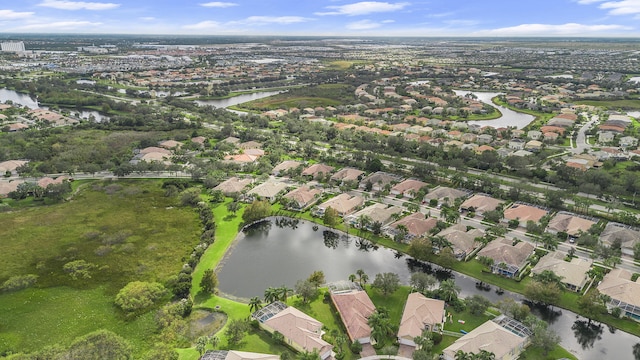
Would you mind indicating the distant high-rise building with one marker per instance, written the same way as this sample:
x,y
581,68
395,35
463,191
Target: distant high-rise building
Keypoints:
x,y
12,46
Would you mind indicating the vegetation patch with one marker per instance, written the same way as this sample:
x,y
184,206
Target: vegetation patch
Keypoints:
x,y
311,96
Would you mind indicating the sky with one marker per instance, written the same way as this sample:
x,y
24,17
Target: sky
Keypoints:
x,y
424,18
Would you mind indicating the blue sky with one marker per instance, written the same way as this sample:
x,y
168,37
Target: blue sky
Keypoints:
x,y
326,17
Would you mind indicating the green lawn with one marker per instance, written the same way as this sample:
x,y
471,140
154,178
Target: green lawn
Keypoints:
x,y
128,229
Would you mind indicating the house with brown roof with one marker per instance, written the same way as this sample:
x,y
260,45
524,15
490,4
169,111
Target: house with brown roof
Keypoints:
x,y
376,213
170,144
624,293
462,241
569,223
480,204
241,158
268,190
302,197
445,195
508,258
506,339
524,213
233,185
416,226
300,331
11,166
354,308
317,171
344,204
573,273
249,145
408,188
379,180
347,174
627,236
420,314
284,166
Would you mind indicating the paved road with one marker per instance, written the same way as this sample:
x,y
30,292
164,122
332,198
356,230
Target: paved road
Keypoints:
x,y
581,140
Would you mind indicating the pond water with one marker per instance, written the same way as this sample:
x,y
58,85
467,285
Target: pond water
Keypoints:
x,y
635,79
18,98
224,103
281,251
508,118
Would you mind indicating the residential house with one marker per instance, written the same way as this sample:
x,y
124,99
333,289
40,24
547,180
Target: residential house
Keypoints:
x,y
480,204
376,213
416,225
302,197
231,140
462,242
484,139
300,331
445,195
347,174
354,307
605,137
317,171
249,145
268,190
569,223
408,188
11,166
627,235
378,180
283,167
236,355
524,213
624,293
516,144
534,134
533,145
344,204
573,273
233,185
241,158
420,314
628,141
505,338
507,258
170,144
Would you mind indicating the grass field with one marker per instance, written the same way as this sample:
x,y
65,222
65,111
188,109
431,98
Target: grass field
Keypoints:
x,y
128,229
306,97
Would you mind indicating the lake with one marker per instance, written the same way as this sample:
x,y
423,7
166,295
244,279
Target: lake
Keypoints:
x,y
508,118
235,100
31,103
281,251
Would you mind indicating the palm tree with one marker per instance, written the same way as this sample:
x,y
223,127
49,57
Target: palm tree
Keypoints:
x,y
214,341
461,355
352,277
284,293
449,290
306,355
485,355
255,304
362,277
364,221
271,294
381,326
450,215
440,242
549,241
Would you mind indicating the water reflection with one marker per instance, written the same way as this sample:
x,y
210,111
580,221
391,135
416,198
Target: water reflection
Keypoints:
x,y
587,333
331,239
547,313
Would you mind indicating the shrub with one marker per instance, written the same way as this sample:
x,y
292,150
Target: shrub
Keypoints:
x,y
355,347
436,338
139,295
19,282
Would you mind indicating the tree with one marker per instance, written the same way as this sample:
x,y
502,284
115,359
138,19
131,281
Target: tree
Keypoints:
x,y
381,326
352,277
201,344
387,283
548,277
233,207
331,217
549,241
284,292
255,303
257,210
448,290
422,281
235,331
139,295
209,281
450,215
363,278
590,305
271,294
309,355
306,289
99,345
447,259
541,293
317,278
364,221
542,336
477,304
513,309
420,248
78,269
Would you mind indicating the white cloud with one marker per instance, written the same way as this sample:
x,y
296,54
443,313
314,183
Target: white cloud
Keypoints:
x,y
441,15
78,5
264,20
364,8
219,4
363,25
147,18
13,15
59,25
388,21
625,7
553,30
203,25
587,2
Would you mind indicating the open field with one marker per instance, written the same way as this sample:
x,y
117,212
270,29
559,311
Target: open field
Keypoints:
x,y
128,230
612,104
314,96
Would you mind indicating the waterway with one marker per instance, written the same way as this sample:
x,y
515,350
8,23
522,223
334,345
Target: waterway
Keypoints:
x,y
508,118
281,251
28,101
